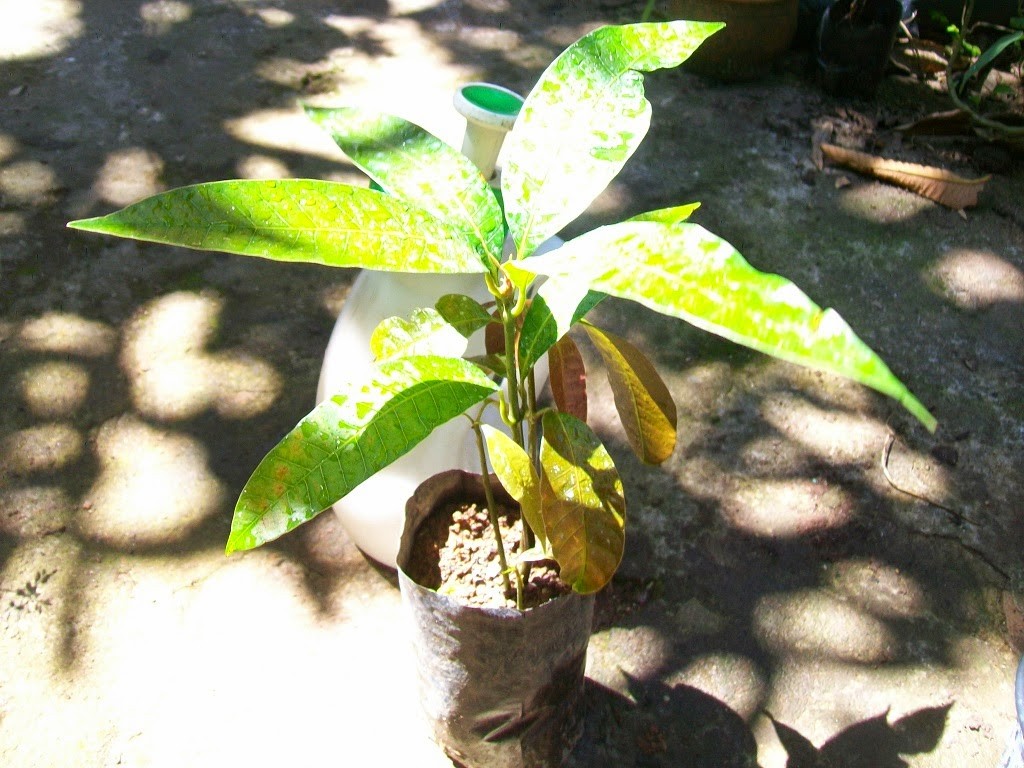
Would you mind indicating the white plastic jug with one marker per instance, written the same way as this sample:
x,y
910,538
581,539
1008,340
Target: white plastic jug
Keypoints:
x,y
373,513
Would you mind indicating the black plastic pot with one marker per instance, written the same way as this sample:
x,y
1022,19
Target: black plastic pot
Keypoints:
x,y
853,50
501,688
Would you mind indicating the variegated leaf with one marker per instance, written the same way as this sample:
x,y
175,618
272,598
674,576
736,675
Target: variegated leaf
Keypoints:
x,y
426,332
582,122
672,215
416,166
321,222
684,271
350,437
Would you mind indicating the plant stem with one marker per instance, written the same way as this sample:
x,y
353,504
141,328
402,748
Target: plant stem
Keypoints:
x,y
492,513
515,401
508,323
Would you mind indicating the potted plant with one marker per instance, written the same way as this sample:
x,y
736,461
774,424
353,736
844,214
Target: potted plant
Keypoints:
x,y
578,127
756,33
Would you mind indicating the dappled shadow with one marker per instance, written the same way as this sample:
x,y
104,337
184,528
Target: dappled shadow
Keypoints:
x,y
661,725
110,483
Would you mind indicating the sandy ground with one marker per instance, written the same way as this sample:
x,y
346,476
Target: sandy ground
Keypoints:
x,y
771,566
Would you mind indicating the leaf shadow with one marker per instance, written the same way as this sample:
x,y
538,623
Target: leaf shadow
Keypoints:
x,y
872,743
661,725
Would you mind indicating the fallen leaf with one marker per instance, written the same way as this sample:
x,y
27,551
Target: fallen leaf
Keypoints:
x,y
921,57
953,122
842,181
936,184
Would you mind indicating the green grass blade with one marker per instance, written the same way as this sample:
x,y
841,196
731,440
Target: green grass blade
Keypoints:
x,y
684,271
582,122
350,437
321,222
416,166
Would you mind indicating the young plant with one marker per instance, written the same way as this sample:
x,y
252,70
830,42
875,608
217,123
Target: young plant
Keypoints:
x,y
579,125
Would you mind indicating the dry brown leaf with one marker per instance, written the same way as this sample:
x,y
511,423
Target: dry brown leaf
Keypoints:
x,y
954,122
936,184
921,57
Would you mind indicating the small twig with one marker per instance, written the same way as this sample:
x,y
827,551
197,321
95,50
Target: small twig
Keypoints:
x,y
959,516
492,513
886,451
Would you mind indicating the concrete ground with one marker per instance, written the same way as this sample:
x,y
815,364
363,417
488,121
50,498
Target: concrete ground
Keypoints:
x,y
781,602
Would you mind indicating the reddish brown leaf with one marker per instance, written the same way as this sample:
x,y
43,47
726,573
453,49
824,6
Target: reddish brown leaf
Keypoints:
x,y
568,378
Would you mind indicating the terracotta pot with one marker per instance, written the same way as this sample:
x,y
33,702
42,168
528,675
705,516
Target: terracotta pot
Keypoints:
x,y
756,33
501,688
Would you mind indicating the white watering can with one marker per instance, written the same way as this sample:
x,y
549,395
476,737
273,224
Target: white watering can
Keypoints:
x,y
373,513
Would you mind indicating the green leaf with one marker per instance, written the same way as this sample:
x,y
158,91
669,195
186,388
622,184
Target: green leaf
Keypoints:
x,y
426,332
673,215
559,304
493,363
465,314
584,509
644,404
991,54
684,271
515,471
582,122
567,376
416,166
322,222
350,437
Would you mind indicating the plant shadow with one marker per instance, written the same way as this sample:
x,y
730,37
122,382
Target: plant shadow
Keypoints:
x,y
661,725
872,743
678,725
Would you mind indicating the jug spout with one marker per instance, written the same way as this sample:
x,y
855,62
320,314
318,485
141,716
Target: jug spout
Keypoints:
x,y
490,113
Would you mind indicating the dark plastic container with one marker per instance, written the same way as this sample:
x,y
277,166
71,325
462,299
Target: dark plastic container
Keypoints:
x,y
853,51
501,688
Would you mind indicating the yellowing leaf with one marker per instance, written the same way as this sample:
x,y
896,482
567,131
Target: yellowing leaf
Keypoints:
x,y
515,471
582,503
936,184
673,215
644,403
568,378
